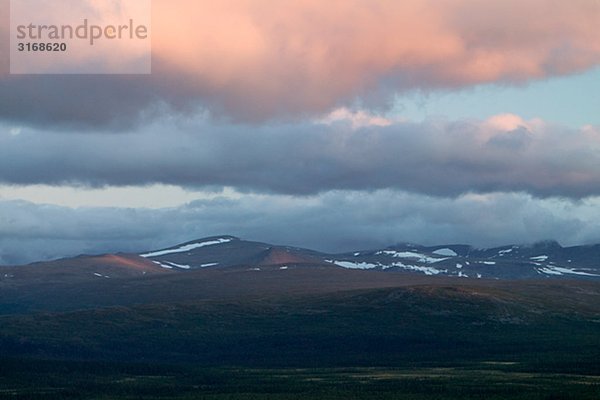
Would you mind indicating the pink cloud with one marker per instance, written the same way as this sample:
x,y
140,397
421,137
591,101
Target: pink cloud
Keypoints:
x,y
258,59
263,57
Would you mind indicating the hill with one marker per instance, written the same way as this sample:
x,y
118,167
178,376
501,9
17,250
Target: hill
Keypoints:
x,y
226,318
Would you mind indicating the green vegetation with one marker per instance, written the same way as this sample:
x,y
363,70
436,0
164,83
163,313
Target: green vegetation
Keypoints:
x,y
71,380
404,343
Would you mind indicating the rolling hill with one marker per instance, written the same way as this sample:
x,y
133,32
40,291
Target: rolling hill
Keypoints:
x,y
230,318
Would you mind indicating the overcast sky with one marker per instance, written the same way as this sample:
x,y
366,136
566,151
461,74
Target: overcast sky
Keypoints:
x,y
340,125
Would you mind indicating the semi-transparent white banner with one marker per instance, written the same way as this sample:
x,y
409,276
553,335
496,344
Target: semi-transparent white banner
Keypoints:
x,y
80,36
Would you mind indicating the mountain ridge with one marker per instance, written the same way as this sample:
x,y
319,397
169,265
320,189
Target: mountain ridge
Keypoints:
x,y
540,260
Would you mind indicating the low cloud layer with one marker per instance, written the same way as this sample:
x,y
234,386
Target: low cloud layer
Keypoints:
x,y
282,102
336,221
357,152
255,60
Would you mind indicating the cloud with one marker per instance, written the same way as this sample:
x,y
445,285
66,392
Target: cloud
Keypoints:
x,y
358,119
434,157
256,60
335,221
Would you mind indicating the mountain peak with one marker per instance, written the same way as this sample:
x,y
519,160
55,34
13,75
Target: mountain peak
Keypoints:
x,y
228,238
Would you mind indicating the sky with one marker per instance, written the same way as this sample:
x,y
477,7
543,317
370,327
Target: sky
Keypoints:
x,y
338,126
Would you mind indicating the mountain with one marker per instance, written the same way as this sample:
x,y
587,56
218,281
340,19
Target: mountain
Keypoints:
x,y
226,267
541,260
221,315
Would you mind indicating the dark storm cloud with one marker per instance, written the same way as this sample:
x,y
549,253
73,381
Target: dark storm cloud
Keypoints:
x,y
336,221
75,102
438,158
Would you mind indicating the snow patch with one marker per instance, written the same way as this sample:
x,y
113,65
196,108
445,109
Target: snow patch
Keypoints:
x,y
549,271
179,265
539,258
208,265
554,270
171,265
185,248
425,270
355,265
365,265
411,255
459,266
162,265
445,252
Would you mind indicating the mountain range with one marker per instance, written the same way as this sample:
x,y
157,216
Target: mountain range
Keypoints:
x,y
543,259
223,267
207,310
